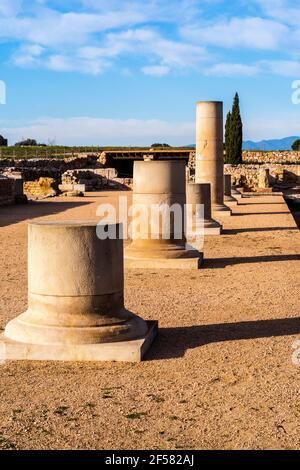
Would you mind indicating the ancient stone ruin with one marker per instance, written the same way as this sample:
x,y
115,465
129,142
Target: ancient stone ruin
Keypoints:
x,y
200,193
160,183
209,152
75,299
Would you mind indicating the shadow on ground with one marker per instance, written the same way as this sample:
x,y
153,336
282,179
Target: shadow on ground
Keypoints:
x,y
17,213
256,229
217,263
260,203
243,214
174,342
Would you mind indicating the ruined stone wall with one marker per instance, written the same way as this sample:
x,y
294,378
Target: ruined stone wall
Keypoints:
x,y
41,188
94,180
271,156
249,176
33,169
252,156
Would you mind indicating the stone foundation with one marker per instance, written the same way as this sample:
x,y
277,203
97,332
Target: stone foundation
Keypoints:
x,y
277,176
41,188
288,156
96,179
11,191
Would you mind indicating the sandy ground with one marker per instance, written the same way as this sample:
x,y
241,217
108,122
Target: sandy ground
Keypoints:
x,y
220,374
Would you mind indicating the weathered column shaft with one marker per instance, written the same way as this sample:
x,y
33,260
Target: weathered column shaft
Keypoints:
x,y
200,194
197,193
209,150
158,184
159,194
227,190
227,185
75,288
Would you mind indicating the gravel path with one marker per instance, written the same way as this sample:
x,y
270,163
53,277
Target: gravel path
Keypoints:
x,y
220,374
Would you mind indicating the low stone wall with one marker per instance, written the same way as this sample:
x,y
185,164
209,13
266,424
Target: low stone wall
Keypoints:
x,y
255,156
33,169
41,188
94,180
252,177
62,164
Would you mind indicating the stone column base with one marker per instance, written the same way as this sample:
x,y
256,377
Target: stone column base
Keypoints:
x,y
123,351
221,210
165,263
236,193
230,200
210,227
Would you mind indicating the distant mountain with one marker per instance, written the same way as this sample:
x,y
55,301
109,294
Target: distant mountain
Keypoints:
x,y
275,144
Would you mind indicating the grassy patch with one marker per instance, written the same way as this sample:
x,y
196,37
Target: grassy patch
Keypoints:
x,y
136,415
156,398
61,410
6,444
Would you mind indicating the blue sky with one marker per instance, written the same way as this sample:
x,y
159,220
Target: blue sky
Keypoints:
x,y
113,72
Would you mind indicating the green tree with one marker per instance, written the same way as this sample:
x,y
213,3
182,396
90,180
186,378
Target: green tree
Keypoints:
x,y
26,143
158,145
296,145
3,142
227,137
234,134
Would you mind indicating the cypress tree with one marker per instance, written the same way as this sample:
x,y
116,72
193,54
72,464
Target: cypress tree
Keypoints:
x,y
227,138
234,134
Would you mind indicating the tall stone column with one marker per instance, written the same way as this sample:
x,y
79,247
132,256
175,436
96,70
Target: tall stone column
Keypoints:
x,y
75,298
209,152
159,186
200,194
227,191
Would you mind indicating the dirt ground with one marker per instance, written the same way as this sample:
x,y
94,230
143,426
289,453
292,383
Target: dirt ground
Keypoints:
x,y
220,374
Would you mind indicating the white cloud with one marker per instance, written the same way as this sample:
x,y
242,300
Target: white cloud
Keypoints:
x,y
272,128
166,35
101,131
233,70
148,43
98,131
285,11
54,29
285,68
252,33
10,7
156,70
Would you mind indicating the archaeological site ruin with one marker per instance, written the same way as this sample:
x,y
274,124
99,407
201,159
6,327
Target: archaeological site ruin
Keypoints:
x,y
170,326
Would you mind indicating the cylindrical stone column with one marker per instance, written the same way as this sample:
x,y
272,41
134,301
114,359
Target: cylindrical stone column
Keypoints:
x,y
200,194
158,185
237,194
75,288
209,152
227,190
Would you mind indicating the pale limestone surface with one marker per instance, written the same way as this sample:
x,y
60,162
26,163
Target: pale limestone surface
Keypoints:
x,y
75,297
220,373
209,152
200,194
160,183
